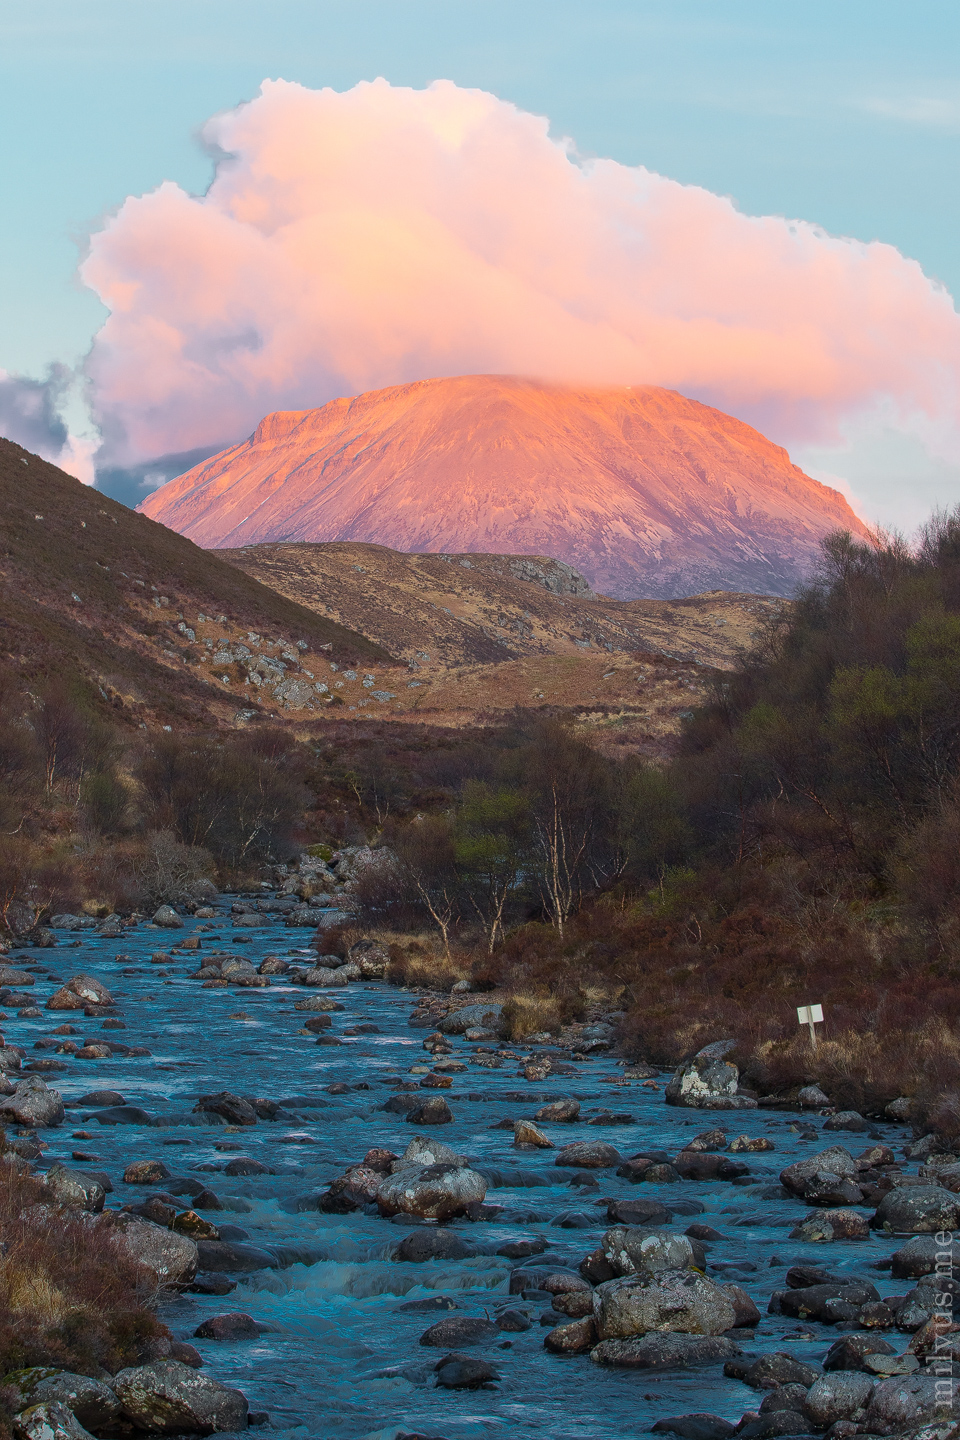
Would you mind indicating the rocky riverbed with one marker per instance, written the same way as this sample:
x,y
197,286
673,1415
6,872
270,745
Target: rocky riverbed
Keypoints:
x,y
388,1229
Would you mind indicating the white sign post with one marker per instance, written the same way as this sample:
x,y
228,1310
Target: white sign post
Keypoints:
x,y
811,1015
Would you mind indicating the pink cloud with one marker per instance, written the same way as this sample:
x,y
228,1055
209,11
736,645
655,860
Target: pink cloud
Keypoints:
x,y
358,240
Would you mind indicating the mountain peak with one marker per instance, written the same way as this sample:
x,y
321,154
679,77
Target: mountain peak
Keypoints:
x,y
644,491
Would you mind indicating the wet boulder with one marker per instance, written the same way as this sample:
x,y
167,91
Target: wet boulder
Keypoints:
x,y
464,1372
708,1081
234,1108
707,1140
693,1165
588,1155
76,1188
850,1353
322,977
32,1104
432,1244
146,1172
635,1251
170,1258
827,1303
9,1059
841,1395
699,1426
167,918
79,992
917,1209
904,1400
831,1225
233,1257
559,1112
637,1212
771,1371
235,1326
460,1330
171,1398
572,1338
351,1191
434,1111
526,1134
920,1257
664,1351
680,1300
434,1192
833,1161
746,1312
91,1401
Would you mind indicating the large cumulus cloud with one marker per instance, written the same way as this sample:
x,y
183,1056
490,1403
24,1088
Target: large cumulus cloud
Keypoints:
x,y
355,240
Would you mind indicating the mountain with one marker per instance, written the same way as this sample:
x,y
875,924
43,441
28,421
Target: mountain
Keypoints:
x,y
438,612
92,593
643,491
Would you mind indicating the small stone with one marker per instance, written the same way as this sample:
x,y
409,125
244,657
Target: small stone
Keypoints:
x,y
526,1133
237,1326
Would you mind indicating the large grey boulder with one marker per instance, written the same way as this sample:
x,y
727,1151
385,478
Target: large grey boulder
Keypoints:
x,y
471,1017
76,1188
434,1192
916,1210
9,1059
708,1081
167,1397
322,975
91,1401
632,1250
904,1400
49,1420
167,918
834,1161
32,1104
680,1300
171,1258
841,1395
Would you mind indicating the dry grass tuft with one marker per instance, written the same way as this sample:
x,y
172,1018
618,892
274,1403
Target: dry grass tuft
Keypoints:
x,y
69,1297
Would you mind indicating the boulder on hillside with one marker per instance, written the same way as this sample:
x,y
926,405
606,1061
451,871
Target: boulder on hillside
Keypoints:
x,y
708,1081
77,1188
167,1397
50,1420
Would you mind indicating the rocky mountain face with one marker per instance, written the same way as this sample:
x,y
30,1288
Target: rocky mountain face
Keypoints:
x,y
644,492
165,632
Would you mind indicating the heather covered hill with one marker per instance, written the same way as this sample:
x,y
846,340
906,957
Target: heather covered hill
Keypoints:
x,y
645,492
91,592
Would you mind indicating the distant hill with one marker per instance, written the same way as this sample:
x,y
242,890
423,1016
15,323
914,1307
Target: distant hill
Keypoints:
x,y
643,491
91,591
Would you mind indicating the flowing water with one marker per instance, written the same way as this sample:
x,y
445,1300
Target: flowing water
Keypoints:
x,y
340,1359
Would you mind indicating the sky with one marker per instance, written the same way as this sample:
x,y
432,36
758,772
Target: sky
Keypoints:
x,y
843,116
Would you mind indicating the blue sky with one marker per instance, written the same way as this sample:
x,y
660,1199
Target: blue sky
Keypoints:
x,y
844,113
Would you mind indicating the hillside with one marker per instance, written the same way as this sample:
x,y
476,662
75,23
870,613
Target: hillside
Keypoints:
x,y
475,609
91,591
483,634
642,490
